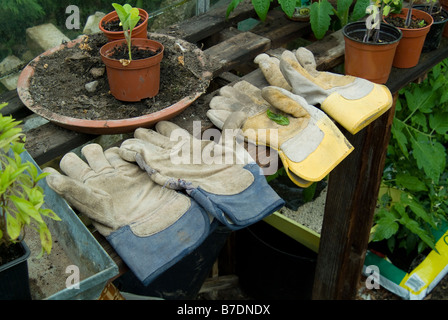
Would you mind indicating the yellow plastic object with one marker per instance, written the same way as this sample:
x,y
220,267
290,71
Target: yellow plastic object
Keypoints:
x,y
355,115
295,230
332,150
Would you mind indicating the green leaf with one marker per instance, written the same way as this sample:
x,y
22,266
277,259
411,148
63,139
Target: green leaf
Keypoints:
x,y
277,118
320,17
13,226
385,227
343,7
410,182
232,5
359,10
121,12
430,156
288,6
438,121
45,238
26,208
261,8
416,208
399,136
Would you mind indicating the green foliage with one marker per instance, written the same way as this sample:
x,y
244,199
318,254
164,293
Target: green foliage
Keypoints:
x,y
129,17
416,177
321,12
277,118
262,7
21,198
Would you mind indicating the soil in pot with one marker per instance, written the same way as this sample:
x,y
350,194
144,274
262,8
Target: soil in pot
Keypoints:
x,y
114,25
60,79
10,253
122,52
410,47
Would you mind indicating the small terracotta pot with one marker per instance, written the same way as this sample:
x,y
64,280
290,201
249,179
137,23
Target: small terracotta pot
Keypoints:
x,y
140,31
138,80
371,61
410,47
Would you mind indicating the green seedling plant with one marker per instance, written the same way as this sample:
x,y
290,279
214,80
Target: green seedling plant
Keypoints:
x,y
21,198
129,17
322,12
416,175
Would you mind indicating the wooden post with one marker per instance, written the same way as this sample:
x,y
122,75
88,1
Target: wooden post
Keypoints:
x,y
351,199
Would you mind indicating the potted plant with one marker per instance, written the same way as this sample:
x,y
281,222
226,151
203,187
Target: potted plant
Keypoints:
x,y
21,205
370,46
440,17
415,25
132,65
111,26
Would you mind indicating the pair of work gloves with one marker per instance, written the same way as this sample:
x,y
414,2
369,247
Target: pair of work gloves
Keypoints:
x,y
283,115
160,194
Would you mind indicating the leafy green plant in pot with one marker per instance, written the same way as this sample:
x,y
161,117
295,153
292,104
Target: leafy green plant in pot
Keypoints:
x,y
21,205
132,65
415,25
440,17
370,46
111,25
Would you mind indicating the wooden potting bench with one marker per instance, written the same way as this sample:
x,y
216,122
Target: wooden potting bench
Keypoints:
x,y
353,185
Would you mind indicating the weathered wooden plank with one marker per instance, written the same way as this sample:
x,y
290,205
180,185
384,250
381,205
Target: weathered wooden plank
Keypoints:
x,y
236,51
200,27
50,141
280,29
351,199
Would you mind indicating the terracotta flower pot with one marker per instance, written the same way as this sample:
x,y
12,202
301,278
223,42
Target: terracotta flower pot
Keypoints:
x,y
411,44
139,79
140,31
371,61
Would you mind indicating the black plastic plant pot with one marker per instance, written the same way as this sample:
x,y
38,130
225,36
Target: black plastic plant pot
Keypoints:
x,y
434,36
272,266
14,279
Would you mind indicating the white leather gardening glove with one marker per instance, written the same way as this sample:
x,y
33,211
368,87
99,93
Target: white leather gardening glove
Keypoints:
x,y
310,145
221,177
150,227
351,101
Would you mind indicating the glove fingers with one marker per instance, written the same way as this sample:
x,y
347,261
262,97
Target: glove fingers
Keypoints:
x,y
95,157
75,168
80,196
113,156
271,71
225,103
158,141
283,100
250,91
218,117
169,129
306,59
